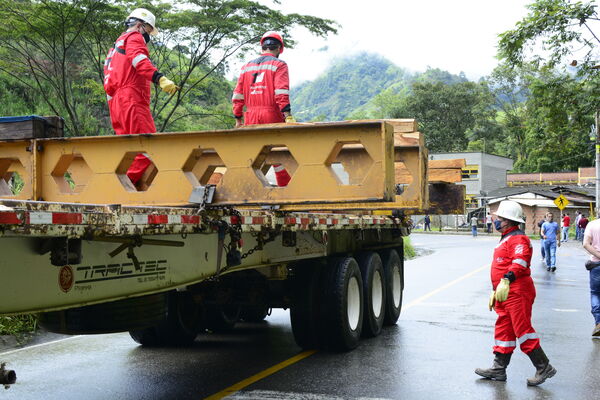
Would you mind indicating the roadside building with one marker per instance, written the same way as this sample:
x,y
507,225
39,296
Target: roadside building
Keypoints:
x,y
537,200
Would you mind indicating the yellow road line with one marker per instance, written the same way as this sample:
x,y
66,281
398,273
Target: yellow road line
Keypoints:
x,y
263,374
278,367
446,286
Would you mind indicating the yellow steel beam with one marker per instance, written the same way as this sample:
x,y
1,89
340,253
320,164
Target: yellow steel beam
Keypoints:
x,y
93,169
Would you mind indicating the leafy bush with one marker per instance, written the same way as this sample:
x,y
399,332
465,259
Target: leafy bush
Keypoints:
x,y
17,324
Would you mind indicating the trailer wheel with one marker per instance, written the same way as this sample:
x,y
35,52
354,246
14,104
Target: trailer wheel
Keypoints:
x,y
373,278
254,313
394,282
114,316
304,308
222,318
343,300
180,326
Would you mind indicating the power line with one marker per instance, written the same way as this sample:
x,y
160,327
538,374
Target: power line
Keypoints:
x,y
568,158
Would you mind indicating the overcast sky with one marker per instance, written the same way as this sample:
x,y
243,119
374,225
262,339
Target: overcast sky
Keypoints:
x,y
453,35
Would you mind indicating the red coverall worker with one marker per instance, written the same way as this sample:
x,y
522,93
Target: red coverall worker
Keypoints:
x,y
263,87
128,73
513,255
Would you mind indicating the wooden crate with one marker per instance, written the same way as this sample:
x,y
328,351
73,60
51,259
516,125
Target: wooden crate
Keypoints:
x,y
31,127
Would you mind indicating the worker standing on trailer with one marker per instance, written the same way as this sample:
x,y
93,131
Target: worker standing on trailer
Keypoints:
x,y
263,87
128,72
513,298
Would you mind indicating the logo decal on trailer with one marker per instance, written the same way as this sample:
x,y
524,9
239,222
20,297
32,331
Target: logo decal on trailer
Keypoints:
x,y
65,278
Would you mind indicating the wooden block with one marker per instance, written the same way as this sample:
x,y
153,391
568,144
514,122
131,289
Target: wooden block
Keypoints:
x,y
434,175
447,164
34,128
412,139
403,125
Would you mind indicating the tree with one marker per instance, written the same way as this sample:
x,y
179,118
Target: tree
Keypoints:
x,y
558,27
450,115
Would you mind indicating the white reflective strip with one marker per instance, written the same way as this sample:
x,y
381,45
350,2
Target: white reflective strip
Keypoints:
x,y
282,91
108,97
40,218
528,336
247,220
279,168
137,59
120,43
237,96
140,219
329,221
500,343
521,262
268,67
174,219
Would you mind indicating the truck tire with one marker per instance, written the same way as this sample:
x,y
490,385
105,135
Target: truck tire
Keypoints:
x,y
394,283
254,313
115,316
304,308
179,327
373,278
342,294
222,318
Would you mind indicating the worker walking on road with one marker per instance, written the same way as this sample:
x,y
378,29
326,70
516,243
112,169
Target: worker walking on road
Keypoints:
x,y
591,242
513,298
263,88
550,233
128,73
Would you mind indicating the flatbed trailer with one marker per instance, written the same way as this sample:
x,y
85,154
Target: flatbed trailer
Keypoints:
x,y
178,256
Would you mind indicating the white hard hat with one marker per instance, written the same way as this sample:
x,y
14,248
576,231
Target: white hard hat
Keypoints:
x,y
147,17
510,210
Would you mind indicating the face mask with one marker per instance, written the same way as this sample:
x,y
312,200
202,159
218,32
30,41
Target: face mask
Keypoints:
x,y
498,224
146,36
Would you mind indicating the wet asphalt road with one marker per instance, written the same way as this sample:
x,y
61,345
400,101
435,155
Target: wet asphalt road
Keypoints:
x,y
444,332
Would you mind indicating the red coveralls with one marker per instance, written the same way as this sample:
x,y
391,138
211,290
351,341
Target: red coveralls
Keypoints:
x,y
513,325
127,76
264,87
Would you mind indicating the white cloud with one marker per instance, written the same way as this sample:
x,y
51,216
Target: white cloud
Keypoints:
x,y
459,35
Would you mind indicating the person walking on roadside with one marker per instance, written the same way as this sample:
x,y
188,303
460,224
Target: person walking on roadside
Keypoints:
x,y
542,248
591,243
512,298
488,222
566,222
128,73
551,236
474,225
578,235
263,88
582,224
427,223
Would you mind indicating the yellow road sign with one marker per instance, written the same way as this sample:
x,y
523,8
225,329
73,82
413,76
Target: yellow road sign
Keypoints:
x,y
561,202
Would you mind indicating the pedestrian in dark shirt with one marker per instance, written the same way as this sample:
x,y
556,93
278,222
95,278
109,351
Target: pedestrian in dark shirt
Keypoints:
x,y
427,223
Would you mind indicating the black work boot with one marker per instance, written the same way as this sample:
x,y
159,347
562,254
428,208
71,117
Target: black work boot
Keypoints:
x,y
498,370
543,368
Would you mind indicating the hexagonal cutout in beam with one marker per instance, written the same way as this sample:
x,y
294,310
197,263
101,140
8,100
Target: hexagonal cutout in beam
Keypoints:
x,y
349,163
136,171
71,173
11,177
275,166
204,167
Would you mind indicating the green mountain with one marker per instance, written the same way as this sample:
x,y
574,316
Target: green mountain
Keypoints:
x,y
346,89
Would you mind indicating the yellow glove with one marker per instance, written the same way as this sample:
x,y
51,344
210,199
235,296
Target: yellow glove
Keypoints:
x,y
168,85
290,119
502,290
492,300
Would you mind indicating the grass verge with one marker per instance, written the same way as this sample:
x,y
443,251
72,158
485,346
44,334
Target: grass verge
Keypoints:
x,y
18,324
409,250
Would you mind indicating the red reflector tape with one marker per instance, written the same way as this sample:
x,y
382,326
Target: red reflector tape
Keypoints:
x,y
158,219
234,220
9,218
190,219
67,218
304,221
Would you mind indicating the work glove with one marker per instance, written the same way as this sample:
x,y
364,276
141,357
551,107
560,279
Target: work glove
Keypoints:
x,y
492,300
168,85
502,290
290,119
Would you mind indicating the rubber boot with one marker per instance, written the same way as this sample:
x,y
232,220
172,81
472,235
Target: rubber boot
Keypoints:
x,y
498,370
543,368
